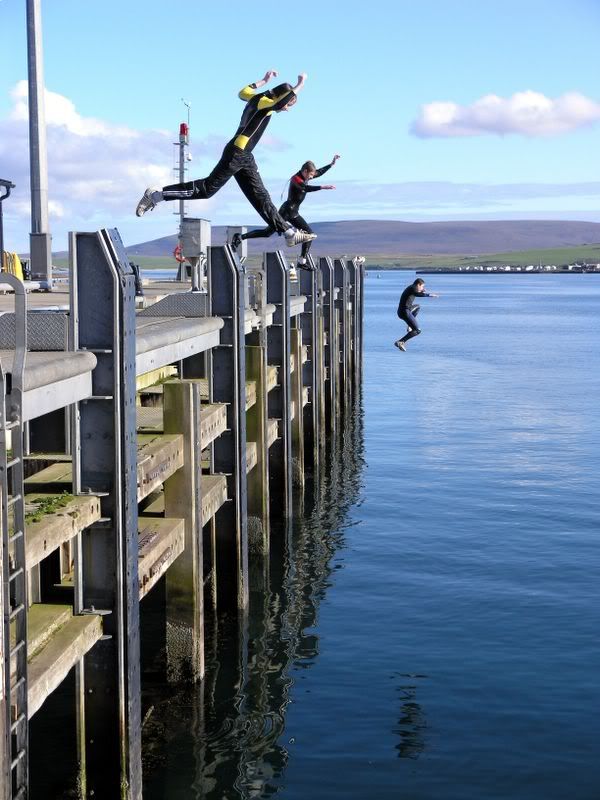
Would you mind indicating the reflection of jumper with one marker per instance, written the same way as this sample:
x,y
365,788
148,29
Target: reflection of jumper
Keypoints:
x,y
289,210
237,159
407,310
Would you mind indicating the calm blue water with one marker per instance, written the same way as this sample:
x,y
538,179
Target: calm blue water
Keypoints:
x,y
430,631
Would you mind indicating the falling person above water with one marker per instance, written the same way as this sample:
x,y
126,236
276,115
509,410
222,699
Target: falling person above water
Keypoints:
x,y
237,160
408,310
298,189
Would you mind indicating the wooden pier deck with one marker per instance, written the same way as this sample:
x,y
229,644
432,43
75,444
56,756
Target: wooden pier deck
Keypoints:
x,y
151,432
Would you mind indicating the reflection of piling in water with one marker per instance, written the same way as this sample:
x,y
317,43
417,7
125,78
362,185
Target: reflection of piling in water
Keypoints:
x,y
174,439
246,689
412,724
249,723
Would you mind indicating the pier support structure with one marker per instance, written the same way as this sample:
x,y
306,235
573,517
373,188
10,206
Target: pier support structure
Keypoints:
x,y
278,355
310,326
188,418
330,344
228,301
343,326
182,500
106,566
257,421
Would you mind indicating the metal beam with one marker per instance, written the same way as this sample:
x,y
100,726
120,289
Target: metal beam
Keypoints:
x,y
309,324
341,306
278,354
105,461
227,293
330,349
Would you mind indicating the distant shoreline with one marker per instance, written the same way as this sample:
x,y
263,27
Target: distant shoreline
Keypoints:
x,y
515,271
485,271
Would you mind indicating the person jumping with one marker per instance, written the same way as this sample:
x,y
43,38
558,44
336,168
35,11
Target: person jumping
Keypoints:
x,y
237,160
297,191
407,310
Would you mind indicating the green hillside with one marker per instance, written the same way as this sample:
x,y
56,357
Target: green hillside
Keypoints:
x,y
562,256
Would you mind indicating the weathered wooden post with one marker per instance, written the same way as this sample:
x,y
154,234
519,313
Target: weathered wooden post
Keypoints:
x,y
185,577
278,354
106,582
257,421
227,292
296,406
200,367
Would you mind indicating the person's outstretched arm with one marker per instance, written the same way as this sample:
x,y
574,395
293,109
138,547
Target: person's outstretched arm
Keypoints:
x,y
287,100
270,73
301,79
308,187
248,91
324,169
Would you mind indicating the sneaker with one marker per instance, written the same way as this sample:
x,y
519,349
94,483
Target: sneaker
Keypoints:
x,y
236,241
303,264
147,202
400,345
299,237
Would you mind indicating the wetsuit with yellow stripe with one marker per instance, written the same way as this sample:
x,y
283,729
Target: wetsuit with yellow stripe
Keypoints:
x,y
237,160
289,210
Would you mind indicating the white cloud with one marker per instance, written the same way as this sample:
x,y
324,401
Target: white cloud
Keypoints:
x,y
60,112
526,113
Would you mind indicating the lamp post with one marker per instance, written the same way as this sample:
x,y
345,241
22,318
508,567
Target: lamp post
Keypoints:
x,y
184,133
40,240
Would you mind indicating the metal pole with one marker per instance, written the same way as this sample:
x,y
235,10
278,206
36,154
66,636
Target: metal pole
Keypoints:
x,y
184,131
41,254
182,140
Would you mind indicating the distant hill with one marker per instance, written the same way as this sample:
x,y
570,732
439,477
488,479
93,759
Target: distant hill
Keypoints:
x,y
419,238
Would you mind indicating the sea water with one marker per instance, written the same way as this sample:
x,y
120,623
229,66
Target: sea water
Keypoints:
x,y
428,629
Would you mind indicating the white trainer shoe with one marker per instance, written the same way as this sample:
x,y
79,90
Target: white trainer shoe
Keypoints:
x,y
299,237
146,203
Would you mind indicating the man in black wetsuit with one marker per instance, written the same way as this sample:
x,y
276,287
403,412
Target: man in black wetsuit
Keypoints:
x,y
407,310
237,160
297,191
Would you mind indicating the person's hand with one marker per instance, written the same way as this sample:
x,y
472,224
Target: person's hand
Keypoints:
x,y
302,77
433,294
271,73
334,159
328,187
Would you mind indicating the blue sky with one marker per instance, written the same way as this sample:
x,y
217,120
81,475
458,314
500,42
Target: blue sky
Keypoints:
x,y
397,88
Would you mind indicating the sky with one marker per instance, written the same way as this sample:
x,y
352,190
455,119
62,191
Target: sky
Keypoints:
x,y
439,109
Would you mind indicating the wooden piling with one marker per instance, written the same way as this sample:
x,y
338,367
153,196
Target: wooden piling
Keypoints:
x,y
184,581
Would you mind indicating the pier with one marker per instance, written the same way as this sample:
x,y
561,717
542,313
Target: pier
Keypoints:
x,y
151,448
